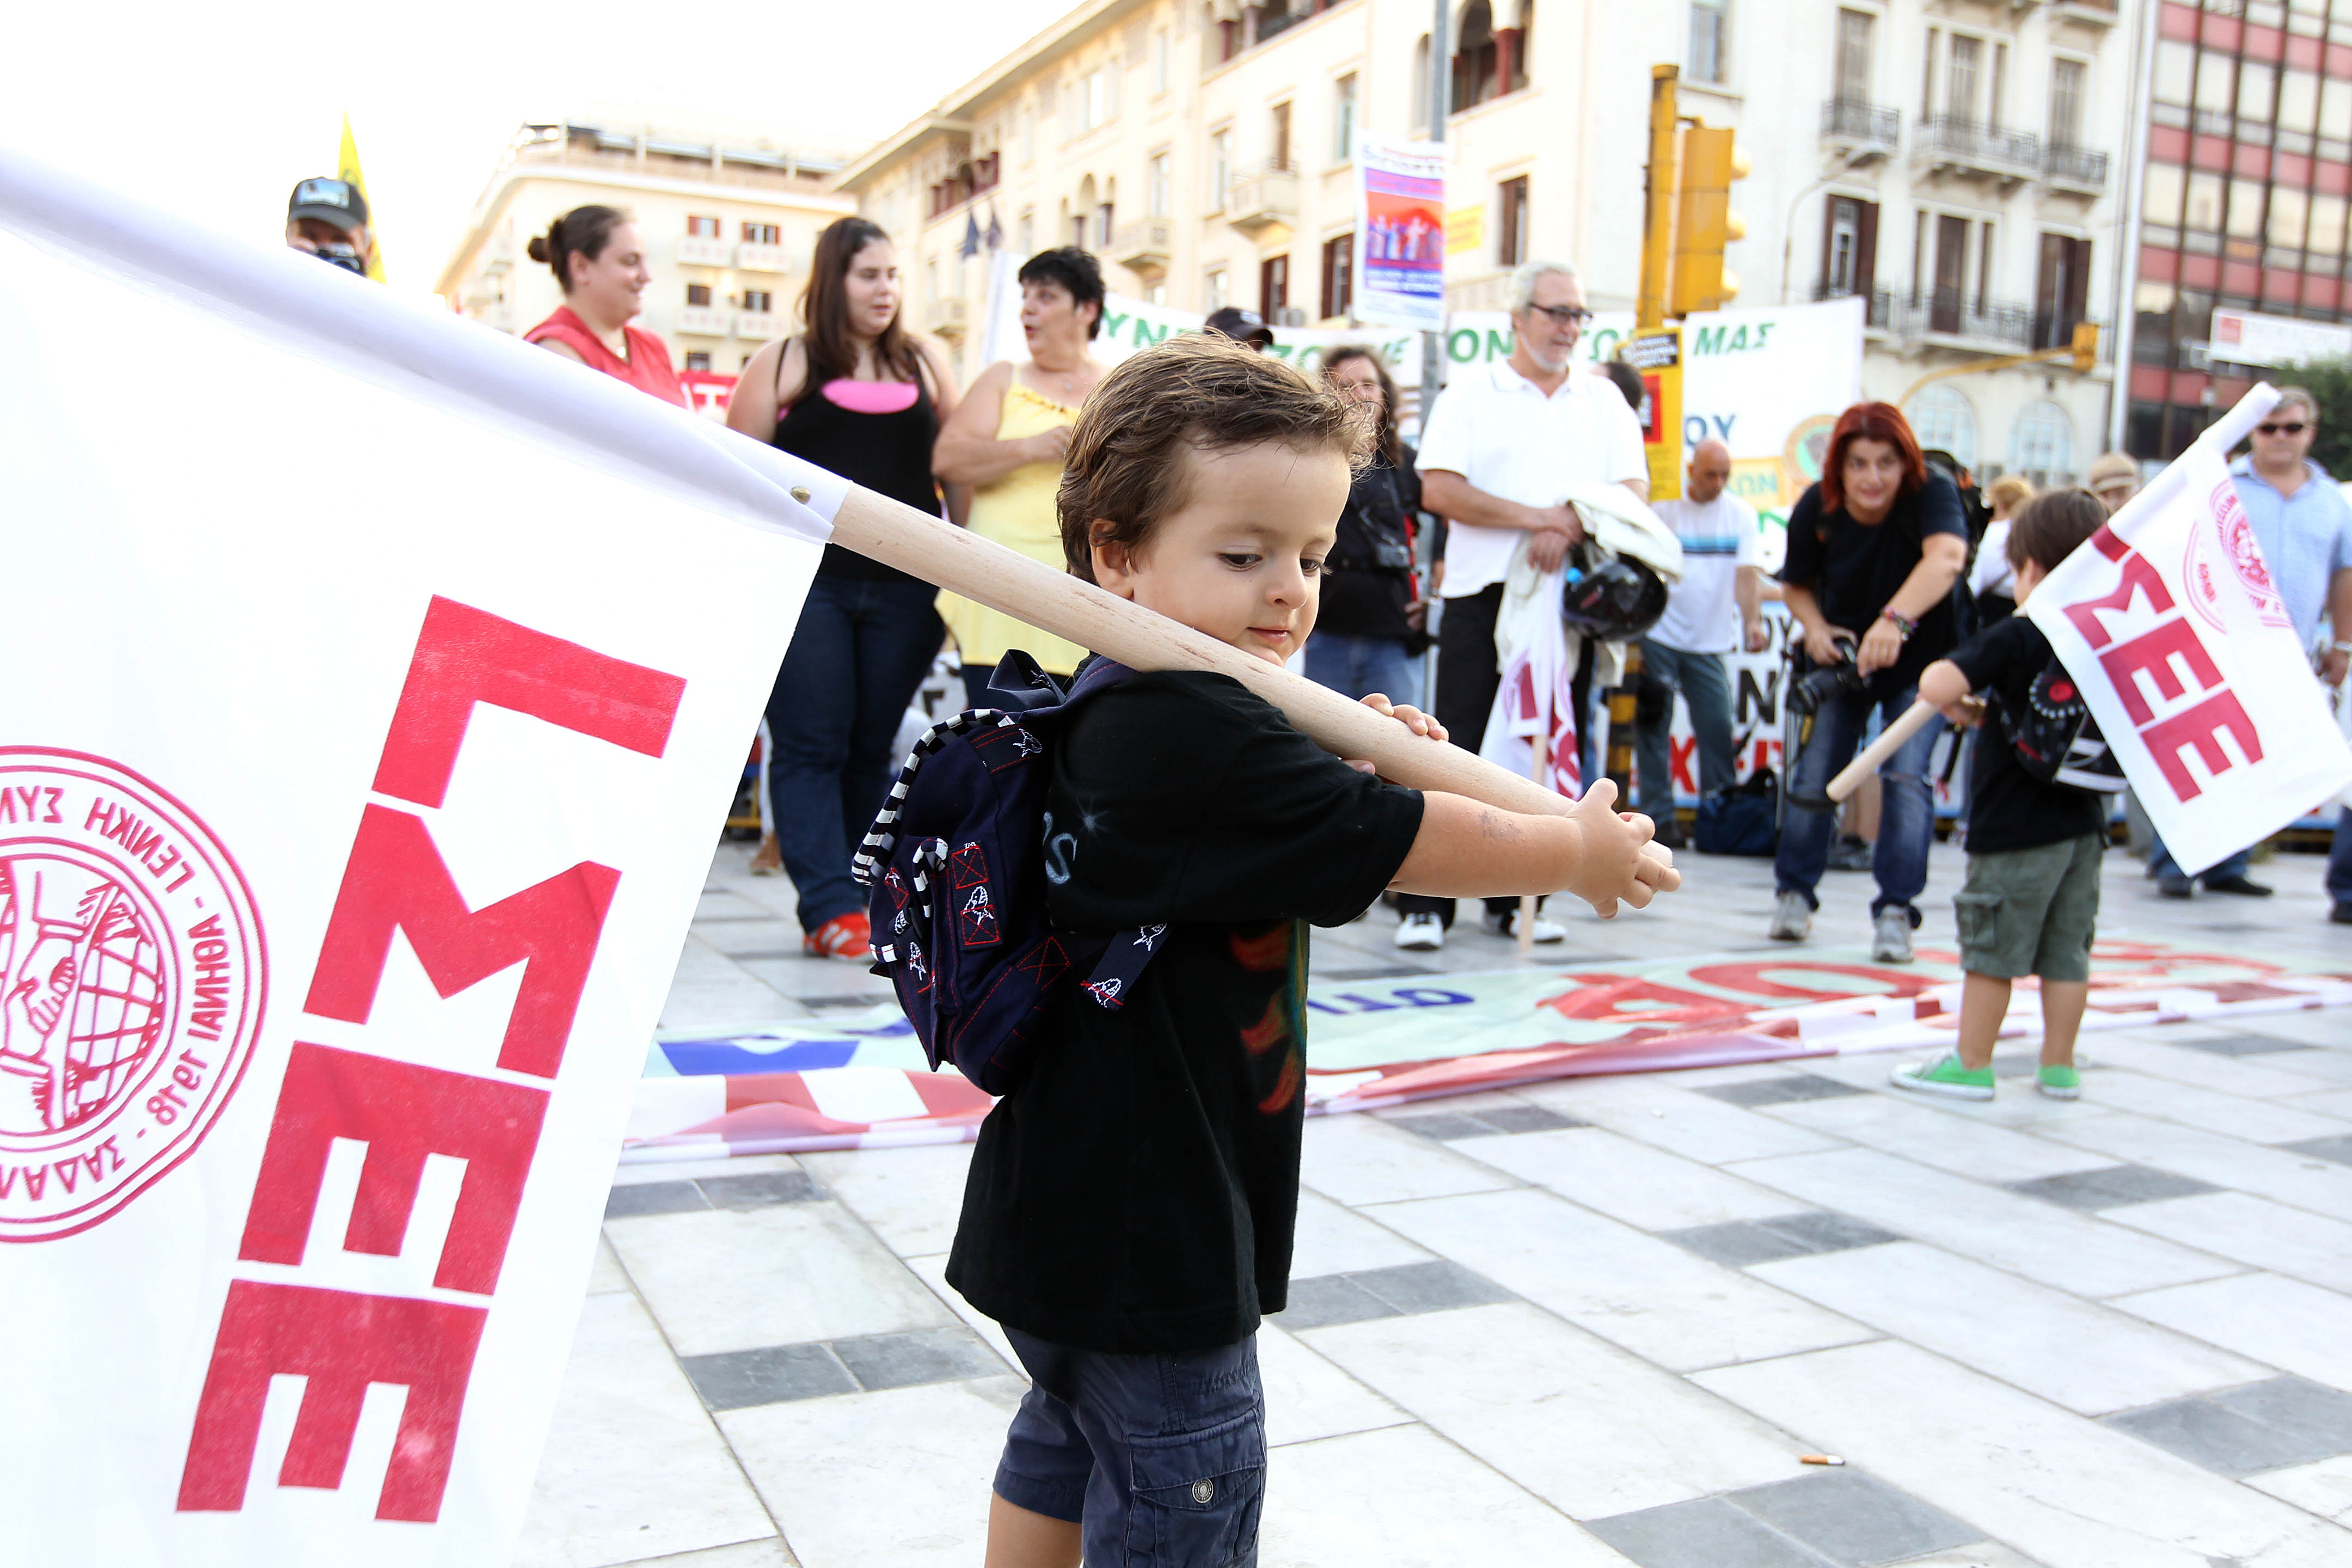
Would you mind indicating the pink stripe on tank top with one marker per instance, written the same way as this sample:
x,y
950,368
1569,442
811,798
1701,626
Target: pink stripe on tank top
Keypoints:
x,y
871,396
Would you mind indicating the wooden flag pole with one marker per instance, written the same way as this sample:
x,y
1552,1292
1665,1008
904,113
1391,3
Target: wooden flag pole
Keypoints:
x,y
1890,741
988,574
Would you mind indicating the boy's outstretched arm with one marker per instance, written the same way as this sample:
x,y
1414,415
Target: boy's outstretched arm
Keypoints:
x,y
1944,684
1469,850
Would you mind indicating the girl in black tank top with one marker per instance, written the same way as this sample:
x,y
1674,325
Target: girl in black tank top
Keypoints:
x,y
889,454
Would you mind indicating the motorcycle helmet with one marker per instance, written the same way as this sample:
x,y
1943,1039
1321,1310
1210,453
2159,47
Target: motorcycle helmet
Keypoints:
x,y
1609,598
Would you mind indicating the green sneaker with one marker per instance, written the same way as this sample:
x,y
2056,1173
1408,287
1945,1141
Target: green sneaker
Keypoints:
x,y
2059,1083
1945,1076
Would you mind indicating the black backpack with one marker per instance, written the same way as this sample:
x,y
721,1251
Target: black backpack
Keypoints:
x,y
2056,740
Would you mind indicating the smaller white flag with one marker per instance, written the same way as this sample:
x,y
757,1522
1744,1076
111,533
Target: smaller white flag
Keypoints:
x,y
2175,631
1536,701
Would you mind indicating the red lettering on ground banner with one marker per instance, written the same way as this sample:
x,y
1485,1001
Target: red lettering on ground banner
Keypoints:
x,y
2199,728
2152,653
2139,577
341,1343
466,655
396,878
401,1112
1605,998
1750,977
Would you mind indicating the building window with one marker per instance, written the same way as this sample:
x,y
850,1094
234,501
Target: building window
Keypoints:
x,y
1511,238
702,227
1217,295
1029,135
1960,76
1025,233
760,234
1985,249
1476,57
1707,38
1272,287
1156,295
2204,205
2176,72
1282,136
1849,248
2160,196
698,359
1853,57
698,295
1161,54
2061,290
1944,419
1339,275
1105,225
2066,79
1155,186
759,300
1343,122
2041,444
1221,169
1421,104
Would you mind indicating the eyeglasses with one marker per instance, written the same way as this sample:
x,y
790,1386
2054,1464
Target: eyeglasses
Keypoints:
x,y
2295,428
1566,315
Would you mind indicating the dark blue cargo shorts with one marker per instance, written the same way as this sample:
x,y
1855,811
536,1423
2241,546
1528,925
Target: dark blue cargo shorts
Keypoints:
x,y
1160,1459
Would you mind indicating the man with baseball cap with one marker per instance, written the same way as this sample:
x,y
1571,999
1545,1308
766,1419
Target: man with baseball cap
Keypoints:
x,y
1242,326
328,218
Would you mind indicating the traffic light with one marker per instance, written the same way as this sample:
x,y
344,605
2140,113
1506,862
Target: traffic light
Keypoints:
x,y
1705,223
2086,347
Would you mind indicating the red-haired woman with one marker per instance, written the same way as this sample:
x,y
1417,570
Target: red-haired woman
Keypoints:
x,y
600,261
858,394
1874,550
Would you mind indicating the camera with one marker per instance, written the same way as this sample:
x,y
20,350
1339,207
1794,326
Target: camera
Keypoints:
x,y
1806,693
342,256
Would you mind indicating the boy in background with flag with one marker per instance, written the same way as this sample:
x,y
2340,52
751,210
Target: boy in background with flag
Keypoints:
x,y
2031,903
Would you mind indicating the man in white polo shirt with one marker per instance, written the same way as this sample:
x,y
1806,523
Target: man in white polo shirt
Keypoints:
x,y
1498,450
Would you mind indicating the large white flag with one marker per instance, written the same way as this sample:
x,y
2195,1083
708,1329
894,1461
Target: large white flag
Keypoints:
x,y
375,687
2170,623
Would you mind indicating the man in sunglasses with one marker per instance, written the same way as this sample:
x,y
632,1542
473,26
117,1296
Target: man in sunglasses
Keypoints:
x,y
328,218
2304,528
1498,449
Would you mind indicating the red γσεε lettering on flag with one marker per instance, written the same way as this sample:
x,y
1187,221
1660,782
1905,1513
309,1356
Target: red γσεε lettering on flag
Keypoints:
x,y
396,877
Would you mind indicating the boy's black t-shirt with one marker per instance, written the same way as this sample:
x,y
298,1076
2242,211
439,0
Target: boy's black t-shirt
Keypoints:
x,y
1136,1192
2009,808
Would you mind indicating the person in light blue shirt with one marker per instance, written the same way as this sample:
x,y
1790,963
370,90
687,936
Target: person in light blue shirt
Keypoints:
x,y
2304,525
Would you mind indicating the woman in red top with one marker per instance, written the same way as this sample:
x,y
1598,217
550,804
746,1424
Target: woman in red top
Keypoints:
x,y
596,255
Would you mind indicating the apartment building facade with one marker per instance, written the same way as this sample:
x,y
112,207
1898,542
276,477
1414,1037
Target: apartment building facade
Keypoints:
x,y
2247,171
1954,162
729,222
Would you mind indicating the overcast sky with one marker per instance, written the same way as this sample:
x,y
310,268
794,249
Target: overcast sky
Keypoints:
x,y
217,110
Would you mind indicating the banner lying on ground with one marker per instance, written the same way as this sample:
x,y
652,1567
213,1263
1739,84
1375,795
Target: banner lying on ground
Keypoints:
x,y
2169,622
368,720
859,1081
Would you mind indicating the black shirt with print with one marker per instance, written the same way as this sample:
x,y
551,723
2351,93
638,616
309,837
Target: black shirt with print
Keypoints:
x,y
2009,808
1136,1190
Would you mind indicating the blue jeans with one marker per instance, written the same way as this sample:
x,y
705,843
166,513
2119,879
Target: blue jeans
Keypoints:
x,y
2339,860
856,658
2164,868
1159,1459
1706,685
1907,812
1358,666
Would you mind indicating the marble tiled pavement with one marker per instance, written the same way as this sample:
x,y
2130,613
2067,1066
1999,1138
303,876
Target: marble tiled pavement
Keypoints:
x,y
1588,1323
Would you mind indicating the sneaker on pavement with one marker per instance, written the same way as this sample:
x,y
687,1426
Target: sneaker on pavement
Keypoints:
x,y
1890,939
2244,887
2341,914
1421,933
2059,1083
844,936
1851,854
2176,887
1945,1076
1506,924
1792,917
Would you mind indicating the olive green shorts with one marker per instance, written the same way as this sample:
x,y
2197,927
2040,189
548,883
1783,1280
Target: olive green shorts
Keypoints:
x,y
2031,911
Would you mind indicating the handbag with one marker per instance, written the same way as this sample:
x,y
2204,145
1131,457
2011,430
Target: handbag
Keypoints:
x,y
1738,820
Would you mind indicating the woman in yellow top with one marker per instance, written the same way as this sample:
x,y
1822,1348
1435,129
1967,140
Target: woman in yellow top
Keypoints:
x,y
1006,439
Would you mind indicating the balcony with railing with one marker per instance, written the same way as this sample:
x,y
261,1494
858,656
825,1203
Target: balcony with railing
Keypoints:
x,y
753,257
1262,196
701,321
1863,130
2073,168
1963,319
757,325
1956,144
1142,247
945,317
1879,304
703,250
2097,13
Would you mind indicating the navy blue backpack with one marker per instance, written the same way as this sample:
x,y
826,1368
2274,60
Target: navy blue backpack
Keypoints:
x,y
957,867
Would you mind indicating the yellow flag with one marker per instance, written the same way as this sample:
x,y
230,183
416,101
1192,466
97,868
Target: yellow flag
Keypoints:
x,y
347,169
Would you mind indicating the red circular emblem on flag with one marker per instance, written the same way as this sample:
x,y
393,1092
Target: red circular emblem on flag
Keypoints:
x,y
132,979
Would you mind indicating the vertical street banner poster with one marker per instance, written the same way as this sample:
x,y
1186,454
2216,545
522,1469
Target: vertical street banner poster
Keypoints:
x,y
1400,233
370,721
1657,354
2171,625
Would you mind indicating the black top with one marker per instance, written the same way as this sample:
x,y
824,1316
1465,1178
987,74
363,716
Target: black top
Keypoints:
x,y
889,454
1361,597
2009,808
1855,568
1136,1190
